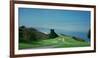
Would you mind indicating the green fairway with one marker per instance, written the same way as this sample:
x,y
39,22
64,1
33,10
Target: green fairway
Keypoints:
x,y
59,42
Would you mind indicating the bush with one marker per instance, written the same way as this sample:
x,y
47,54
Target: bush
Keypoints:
x,y
52,34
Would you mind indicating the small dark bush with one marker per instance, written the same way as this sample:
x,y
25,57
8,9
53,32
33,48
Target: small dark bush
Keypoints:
x,y
52,34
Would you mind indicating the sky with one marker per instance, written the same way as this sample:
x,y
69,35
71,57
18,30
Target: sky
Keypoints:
x,y
67,20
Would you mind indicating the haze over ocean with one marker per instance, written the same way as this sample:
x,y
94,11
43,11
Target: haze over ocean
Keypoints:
x,y
71,22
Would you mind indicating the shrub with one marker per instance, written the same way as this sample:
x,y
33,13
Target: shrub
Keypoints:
x,y
52,34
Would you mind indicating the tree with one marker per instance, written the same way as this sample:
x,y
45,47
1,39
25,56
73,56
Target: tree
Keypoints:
x,y
89,33
23,34
52,34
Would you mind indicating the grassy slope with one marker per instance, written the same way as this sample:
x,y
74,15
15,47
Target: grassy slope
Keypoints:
x,y
59,42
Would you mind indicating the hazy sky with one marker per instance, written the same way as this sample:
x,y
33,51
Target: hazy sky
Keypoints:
x,y
68,20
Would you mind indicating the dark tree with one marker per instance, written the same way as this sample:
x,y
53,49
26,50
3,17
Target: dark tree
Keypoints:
x,y
89,33
23,34
21,28
52,34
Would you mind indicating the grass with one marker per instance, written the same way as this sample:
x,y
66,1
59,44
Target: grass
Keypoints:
x,y
59,42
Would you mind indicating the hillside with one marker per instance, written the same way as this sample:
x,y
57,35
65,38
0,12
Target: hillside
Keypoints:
x,y
32,38
59,42
30,34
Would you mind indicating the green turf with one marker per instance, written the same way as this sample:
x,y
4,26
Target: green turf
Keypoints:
x,y
59,42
